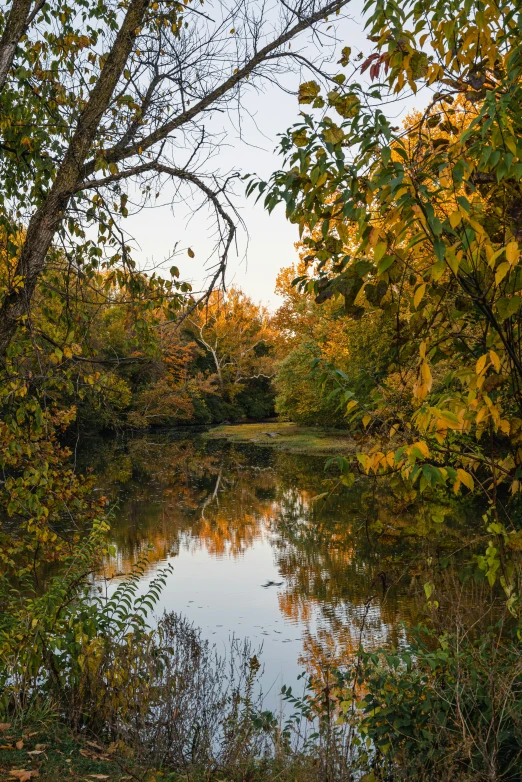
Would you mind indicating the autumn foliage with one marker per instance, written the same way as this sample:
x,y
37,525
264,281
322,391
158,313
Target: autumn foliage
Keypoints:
x,y
423,224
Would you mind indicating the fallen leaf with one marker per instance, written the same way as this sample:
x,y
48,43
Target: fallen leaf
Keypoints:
x,y
35,752
41,746
91,755
98,776
6,746
93,744
5,726
19,744
23,776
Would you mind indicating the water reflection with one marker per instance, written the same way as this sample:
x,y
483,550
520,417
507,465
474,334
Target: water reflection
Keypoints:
x,y
232,518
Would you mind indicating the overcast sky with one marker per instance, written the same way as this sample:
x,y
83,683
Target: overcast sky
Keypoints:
x,y
268,244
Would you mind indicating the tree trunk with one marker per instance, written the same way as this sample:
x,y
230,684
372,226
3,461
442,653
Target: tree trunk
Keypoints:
x,y
14,29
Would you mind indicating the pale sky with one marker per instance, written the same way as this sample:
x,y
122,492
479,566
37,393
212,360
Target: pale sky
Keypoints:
x,y
269,245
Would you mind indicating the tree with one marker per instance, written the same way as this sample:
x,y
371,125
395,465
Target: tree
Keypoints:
x,y
431,214
328,357
96,100
240,343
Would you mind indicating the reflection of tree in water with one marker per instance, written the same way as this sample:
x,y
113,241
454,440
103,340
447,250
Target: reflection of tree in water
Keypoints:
x,y
169,494
333,555
329,578
354,563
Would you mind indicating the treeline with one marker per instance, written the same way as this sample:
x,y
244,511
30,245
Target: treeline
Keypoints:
x,y
229,359
123,365
217,365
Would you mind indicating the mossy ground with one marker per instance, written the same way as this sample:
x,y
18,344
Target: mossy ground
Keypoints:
x,y
50,752
286,437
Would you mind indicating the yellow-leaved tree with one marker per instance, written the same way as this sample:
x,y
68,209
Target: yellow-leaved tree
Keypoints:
x,y
424,223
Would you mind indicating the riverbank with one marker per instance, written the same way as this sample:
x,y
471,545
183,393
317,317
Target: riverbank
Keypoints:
x,y
47,750
286,436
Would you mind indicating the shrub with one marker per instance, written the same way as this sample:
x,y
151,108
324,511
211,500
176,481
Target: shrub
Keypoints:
x,y
450,708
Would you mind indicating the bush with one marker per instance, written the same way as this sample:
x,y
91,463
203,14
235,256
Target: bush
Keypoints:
x,y
449,708
161,691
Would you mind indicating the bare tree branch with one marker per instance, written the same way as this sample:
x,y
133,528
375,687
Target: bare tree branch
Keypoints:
x,y
122,151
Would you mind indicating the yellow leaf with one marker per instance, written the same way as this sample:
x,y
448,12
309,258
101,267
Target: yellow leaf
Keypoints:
x,y
453,261
374,236
190,253
428,589
419,293
512,252
465,478
455,218
504,425
511,144
426,374
492,255
481,364
308,91
333,134
423,387
366,420
501,272
376,460
379,251
423,448
364,461
495,360
482,413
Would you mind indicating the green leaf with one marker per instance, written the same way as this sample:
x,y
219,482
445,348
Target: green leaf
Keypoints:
x,y
440,249
385,264
508,307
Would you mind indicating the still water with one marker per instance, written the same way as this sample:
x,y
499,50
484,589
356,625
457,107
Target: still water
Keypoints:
x,y
254,556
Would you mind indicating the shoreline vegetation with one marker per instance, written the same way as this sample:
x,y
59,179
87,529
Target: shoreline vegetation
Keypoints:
x,y
285,436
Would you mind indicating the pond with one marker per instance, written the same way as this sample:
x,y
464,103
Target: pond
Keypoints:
x,y
255,556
